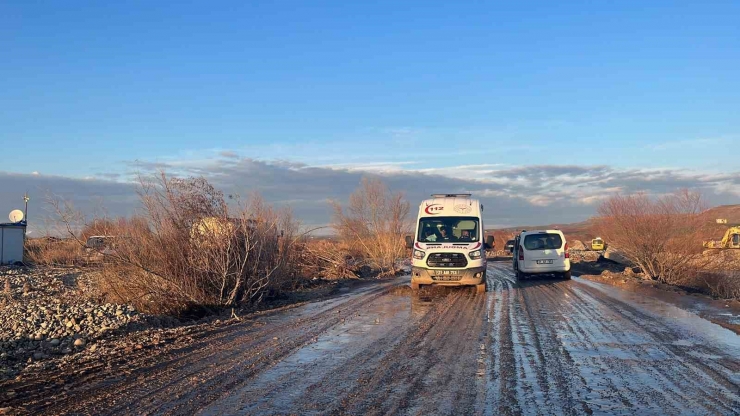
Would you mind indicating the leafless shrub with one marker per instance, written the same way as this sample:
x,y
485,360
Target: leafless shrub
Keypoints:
x,y
188,249
328,260
658,235
373,223
98,226
54,252
721,275
724,284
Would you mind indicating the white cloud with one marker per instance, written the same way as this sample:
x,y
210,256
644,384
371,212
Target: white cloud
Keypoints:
x,y
376,167
512,194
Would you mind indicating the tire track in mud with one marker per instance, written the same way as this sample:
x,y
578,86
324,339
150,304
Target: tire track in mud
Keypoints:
x,y
197,373
420,363
673,364
247,357
601,354
322,367
651,385
530,347
428,370
502,385
635,344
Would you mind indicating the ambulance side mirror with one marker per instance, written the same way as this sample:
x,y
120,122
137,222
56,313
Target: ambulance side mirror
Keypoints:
x,y
489,242
409,242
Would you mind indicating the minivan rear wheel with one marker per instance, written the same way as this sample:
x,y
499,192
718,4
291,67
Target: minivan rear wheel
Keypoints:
x,y
520,275
566,275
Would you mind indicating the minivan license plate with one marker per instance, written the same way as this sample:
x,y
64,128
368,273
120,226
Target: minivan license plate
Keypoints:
x,y
544,261
447,272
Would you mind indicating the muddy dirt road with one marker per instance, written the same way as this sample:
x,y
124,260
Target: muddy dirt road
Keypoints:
x,y
533,347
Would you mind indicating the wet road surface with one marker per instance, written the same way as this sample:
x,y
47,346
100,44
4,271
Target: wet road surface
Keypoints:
x,y
531,347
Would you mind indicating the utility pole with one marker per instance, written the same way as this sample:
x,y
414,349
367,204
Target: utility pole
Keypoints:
x,y
25,213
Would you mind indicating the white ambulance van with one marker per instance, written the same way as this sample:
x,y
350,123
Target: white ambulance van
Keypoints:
x,y
448,247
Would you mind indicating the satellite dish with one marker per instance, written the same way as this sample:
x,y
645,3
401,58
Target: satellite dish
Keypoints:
x,y
16,215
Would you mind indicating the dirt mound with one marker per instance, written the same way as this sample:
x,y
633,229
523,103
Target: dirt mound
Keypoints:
x,y
616,256
576,245
581,256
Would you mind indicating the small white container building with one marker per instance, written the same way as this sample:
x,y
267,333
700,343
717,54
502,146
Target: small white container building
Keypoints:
x,y
12,239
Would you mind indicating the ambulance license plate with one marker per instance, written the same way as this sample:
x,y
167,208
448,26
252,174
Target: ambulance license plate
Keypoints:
x,y
446,272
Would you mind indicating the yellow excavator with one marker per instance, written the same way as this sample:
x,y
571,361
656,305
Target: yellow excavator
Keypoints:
x,y
731,239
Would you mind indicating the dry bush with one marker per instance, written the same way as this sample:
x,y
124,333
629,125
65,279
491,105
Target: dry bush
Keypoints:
x,y
658,235
188,249
99,226
374,224
55,252
721,275
328,259
724,284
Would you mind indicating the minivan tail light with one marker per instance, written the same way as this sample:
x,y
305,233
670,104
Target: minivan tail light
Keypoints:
x,y
521,253
567,255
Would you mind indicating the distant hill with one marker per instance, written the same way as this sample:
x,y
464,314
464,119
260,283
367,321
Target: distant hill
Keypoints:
x,y
585,230
729,212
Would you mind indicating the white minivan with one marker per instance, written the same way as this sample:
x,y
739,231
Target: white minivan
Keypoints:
x,y
541,252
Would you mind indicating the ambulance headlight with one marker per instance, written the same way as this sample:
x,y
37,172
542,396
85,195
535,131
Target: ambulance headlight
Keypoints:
x,y
475,255
419,255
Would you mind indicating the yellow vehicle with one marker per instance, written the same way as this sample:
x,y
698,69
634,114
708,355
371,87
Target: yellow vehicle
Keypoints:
x,y
597,244
211,227
731,239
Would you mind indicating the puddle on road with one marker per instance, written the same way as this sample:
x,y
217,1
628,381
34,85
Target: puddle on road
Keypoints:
x,y
685,320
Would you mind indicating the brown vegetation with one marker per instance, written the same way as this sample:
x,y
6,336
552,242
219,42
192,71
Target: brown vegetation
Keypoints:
x,y
657,235
189,249
55,252
723,284
328,259
373,225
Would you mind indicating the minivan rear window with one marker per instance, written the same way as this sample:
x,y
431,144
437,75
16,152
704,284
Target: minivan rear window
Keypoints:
x,y
544,241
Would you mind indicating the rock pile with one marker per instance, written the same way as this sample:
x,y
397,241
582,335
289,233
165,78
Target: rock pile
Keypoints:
x,y
587,256
46,312
615,256
576,245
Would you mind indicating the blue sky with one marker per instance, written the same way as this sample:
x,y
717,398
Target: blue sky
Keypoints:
x,y
383,86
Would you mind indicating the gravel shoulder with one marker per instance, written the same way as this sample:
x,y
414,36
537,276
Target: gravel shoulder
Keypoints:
x,y
530,347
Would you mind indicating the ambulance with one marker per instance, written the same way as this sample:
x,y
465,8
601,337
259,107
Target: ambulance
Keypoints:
x,y
448,248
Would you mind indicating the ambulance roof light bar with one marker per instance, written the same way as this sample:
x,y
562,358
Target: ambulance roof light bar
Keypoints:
x,y
451,195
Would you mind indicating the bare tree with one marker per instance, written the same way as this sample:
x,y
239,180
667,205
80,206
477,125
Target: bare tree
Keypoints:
x,y
374,223
661,236
189,249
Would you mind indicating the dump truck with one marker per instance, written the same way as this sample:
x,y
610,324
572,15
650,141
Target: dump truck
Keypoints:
x,y
731,240
448,248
